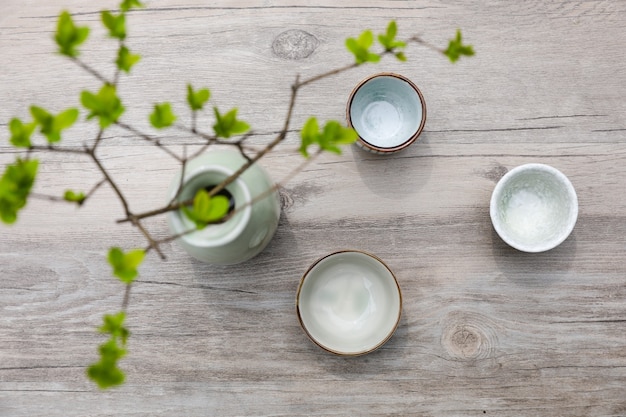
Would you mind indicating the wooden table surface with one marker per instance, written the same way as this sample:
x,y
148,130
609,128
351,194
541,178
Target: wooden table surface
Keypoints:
x,y
485,330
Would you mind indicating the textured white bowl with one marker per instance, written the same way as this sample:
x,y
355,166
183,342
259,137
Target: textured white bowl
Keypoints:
x,y
349,303
387,111
534,207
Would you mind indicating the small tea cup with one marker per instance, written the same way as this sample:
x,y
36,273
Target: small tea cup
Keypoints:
x,y
349,303
387,111
534,207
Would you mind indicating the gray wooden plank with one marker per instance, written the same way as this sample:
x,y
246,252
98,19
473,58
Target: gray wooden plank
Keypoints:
x,y
485,330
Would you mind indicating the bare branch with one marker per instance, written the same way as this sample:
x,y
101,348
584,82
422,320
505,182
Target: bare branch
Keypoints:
x,y
90,70
418,40
155,141
51,148
326,74
126,297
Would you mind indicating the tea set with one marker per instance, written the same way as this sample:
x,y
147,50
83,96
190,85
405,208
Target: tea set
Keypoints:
x,y
349,302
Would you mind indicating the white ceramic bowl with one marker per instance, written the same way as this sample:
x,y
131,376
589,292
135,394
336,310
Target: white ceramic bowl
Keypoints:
x,y
387,111
534,207
349,303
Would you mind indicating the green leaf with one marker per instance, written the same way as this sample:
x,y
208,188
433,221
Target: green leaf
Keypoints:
x,y
69,36
125,60
65,119
116,24
21,133
197,99
162,116
74,197
388,39
227,125
50,125
207,209
360,48
332,136
15,186
392,29
105,105
45,121
309,135
456,49
366,39
126,5
105,372
125,264
114,325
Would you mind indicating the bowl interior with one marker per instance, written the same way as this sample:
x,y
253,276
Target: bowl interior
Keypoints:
x,y
386,111
534,207
349,303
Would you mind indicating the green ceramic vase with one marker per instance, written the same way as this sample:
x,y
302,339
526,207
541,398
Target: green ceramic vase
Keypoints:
x,y
244,235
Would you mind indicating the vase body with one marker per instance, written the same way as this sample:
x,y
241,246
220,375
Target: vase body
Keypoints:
x,y
250,229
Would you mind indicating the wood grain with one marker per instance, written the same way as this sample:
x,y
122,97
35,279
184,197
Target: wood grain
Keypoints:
x,y
486,330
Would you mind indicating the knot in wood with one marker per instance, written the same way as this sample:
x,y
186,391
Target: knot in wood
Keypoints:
x,y
294,44
495,173
465,342
286,201
468,336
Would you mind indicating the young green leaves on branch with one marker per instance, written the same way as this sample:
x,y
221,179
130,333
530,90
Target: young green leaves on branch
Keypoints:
x,y
69,36
227,125
360,47
116,24
125,264
206,209
162,116
74,197
328,139
106,372
125,59
389,42
197,99
105,105
126,5
456,48
15,186
21,133
50,125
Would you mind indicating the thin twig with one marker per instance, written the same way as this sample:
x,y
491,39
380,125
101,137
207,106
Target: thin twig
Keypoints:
x,y
51,148
96,142
151,241
327,74
417,39
112,183
126,297
55,198
90,70
182,176
156,142
93,189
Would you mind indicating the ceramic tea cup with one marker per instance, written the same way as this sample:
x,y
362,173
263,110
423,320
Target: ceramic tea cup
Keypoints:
x,y
387,111
349,303
534,207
